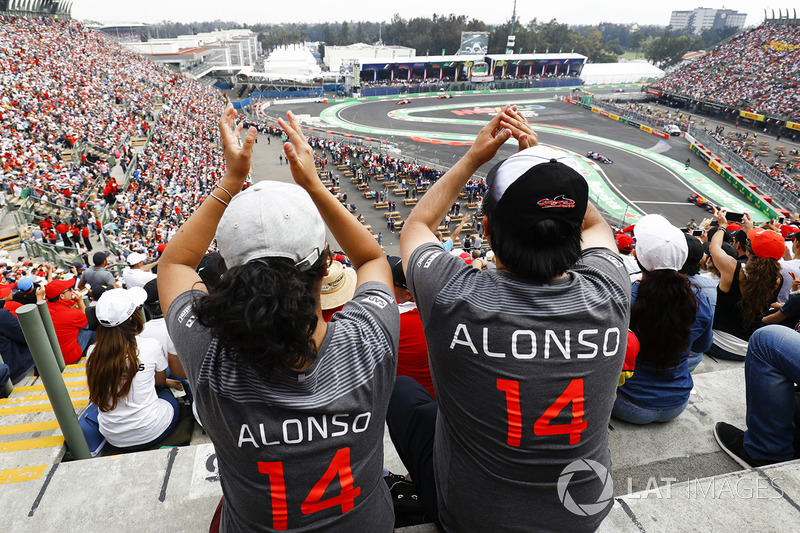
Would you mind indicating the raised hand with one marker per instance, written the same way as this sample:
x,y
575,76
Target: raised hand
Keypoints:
x,y
237,155
491,137
519,127
299,154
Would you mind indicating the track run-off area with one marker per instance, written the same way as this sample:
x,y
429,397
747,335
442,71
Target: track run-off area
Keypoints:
x,y
642,180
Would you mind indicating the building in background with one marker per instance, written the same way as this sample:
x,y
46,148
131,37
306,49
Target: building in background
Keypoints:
x,y
217,53
701,19
60,9
338,56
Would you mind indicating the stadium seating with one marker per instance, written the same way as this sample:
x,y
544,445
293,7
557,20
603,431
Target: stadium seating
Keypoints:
x,y
757,71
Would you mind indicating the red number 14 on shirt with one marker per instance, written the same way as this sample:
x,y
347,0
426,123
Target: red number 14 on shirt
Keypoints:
x,y
314,503
572,394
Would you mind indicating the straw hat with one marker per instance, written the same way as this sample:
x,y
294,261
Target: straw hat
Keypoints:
x,y
338,286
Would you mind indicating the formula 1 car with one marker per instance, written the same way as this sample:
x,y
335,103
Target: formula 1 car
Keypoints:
x,y
404,101
445,96
699,201
597,157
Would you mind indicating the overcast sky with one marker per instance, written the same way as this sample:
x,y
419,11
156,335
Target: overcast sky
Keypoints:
x,y
315,11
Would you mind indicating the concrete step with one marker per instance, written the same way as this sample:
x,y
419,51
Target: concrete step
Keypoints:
x,y
684,446
760,499
29,432
182,485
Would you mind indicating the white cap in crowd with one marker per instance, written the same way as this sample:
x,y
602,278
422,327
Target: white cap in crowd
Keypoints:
x,y
659,244
134,258
116,306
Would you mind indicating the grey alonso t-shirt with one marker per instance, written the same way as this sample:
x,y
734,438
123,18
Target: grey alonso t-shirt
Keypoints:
x,y
317,434
525,377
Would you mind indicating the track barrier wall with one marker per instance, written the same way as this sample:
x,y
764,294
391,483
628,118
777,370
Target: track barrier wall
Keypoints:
x,y
734,179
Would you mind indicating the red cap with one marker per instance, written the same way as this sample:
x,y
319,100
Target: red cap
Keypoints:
x,y
733,226
766,243
625,242
161,247
57,286
5,290
466,256
786,229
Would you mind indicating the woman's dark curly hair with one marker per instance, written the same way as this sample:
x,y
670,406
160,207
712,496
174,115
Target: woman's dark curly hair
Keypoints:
x,y
263,313
662,317
758,289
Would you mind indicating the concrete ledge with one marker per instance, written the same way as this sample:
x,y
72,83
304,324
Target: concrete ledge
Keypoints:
x,y
684,447
763,499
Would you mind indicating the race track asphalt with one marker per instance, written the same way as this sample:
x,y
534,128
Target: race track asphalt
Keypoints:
x,y
645,184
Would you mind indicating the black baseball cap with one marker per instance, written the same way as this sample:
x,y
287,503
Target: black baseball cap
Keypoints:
x,y
398,275
99,257
210,269
538,183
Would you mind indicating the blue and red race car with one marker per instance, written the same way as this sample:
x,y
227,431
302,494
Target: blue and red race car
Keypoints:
x,y
597,157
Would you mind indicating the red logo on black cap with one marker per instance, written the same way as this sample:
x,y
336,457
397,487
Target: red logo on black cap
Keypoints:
x,y
558,201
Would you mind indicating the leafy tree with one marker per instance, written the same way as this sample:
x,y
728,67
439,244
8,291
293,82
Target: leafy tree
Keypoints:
x,y
344,34
361,34
667,50
327,35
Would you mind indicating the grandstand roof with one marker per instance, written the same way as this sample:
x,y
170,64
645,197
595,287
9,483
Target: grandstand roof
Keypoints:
x,y
534,57
627,72
418,61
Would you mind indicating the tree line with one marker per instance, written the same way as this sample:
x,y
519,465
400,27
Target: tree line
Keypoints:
x,y
441,34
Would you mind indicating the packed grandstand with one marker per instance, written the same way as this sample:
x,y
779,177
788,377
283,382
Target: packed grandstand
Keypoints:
x,y
758,71
75,106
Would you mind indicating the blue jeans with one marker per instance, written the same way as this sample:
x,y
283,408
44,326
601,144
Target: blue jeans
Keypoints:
x,y
85,338
412,426
5,376
694,360
626,410
771,369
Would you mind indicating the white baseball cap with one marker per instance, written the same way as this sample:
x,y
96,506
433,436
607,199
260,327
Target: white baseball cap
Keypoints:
x,y
659,244
134,258
117,305
271,219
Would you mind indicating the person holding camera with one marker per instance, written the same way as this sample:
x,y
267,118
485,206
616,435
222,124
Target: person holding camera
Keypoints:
x,y
745,292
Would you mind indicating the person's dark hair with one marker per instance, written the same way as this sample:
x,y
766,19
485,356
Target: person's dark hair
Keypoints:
x,y
662,317
263,313
539,252
726,236
691,266
758,287
114,362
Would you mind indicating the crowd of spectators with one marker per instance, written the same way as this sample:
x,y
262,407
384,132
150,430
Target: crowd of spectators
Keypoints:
x,y
174,171
738,142
92,91
63,86
758,71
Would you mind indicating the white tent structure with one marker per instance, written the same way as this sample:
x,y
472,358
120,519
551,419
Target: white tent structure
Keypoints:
x,y
624,72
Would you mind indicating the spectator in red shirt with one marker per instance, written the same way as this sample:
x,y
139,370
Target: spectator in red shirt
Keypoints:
x,y
62,230
69,318
412,357
85,235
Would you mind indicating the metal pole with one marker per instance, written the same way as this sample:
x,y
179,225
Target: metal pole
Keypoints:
x,y
44,312
36,337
